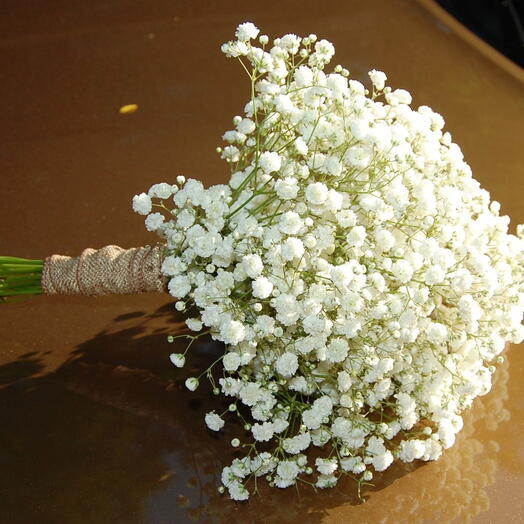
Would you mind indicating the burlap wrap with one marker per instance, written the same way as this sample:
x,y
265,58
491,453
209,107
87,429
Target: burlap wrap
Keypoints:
x,y
106,271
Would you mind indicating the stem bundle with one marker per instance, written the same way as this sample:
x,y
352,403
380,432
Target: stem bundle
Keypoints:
x,y
20,276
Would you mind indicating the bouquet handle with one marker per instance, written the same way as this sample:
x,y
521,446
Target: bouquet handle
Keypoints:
x,y
106,271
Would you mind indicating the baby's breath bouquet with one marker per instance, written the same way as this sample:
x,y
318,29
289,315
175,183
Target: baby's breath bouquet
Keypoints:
x,y
361,281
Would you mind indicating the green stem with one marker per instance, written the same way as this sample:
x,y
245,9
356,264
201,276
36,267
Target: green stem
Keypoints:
x,y
20,276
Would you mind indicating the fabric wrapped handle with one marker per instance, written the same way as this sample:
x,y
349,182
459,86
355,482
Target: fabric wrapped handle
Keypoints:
x,y
107,271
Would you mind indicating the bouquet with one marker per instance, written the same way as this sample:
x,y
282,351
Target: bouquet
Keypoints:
x,y
361,281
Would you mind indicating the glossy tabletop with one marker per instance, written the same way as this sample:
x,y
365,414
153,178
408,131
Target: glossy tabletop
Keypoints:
x,y
95,425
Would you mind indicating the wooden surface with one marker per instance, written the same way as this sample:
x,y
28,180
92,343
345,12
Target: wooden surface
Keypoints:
x,y
94,425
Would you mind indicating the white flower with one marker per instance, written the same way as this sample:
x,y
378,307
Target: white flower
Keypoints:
x,y
316,193
287,188
265,324
231,154
297,443
337,350
288,309
250,394
179,286
192,383
231,361
232,332
326,466
436,332
194,324
290,223
399,96
283,104
434,275
332,166
177,359
326,481
238,492
185,219
263,432
356,236
385,239
325,49
311,419
252,265
142,204
402,270
247,31
353,464
172,266
303,76
383,461
246,126
154,221
213,421
300,146
378,78
290,42
344,381
269,162
292,248
262,287
287,470
162,191
287,364
409,450
230,386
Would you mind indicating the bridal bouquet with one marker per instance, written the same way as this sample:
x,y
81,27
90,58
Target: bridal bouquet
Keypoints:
x,y
360,279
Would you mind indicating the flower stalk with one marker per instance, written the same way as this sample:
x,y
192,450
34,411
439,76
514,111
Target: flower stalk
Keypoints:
x,y
20,277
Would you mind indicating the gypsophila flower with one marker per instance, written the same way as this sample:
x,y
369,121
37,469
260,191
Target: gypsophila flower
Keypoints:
x,y
213,421
142,204
262,287
177,359
194,324
326,466
270,162
246,31
231,361
192,383
362,282
161,191
154,221
378,78
263,432
287,364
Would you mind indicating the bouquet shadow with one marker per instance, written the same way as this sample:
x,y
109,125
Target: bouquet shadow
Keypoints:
x,y
113,436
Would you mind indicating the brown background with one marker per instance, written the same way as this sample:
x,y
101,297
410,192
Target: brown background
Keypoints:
x,y
94,425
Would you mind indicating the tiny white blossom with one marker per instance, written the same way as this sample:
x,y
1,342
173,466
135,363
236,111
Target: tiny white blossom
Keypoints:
x,y
378,78
246,31
177,359
213,421
287,364
154,221
262,287
142,204
270,161
192,383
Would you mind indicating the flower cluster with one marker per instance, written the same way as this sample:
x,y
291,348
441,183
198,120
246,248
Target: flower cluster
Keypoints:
x,y
360,278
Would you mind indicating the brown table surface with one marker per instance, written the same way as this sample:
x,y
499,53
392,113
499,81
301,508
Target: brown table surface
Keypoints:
x,y
94,425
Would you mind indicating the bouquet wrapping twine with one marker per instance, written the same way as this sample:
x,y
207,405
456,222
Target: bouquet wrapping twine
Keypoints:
x,y
110,270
